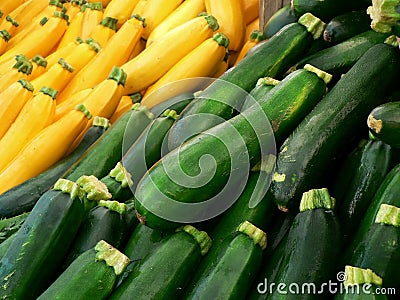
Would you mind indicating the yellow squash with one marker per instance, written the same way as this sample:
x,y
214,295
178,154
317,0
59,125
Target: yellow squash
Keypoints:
x,y
229,14
69,104
24,13
155,11
73,7
253,25
12,100
92,16
74,29
103,31
8,6
115,53
120,10
5,36
25,29
39,65
45,149
139,47
9,24
255,37
62,52
20,70
251,10
139,7
40,41
189,9
125,104
222,67
154,61
35,115
200,62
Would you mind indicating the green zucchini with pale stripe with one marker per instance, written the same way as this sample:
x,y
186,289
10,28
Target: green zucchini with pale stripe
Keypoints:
x,y
92,275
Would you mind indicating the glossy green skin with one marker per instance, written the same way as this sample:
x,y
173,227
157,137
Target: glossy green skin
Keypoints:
x,y
5,244
283,16
229,272
379,251
313,243
101,223
326,9
164,272
345,26
302,89
271,58
10,225
317,142
85,278
23,197
372,167
259,92
339,58
104,154
38,249
389,114
387,193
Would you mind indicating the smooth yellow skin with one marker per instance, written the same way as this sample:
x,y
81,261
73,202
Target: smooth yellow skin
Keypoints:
x,y
189,9
251,10
10,77
40,41
8,6
35,115
253,25
246,47
229,14
72,9
9,26
200,62
138,9
22,32
155,11
221,69
154,61
12,100
115,53
91,18
56,77
73,31
125,103
61,52
29,10
3,45
120,10
102,34
69,104
45,149
37,70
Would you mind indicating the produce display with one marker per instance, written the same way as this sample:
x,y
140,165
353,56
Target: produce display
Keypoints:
x,y
189,149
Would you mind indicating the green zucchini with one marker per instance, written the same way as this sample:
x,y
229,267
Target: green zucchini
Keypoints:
x,y
23,197
103,222
263,86
313,241
105,153
6,243
372,167
305,87
309,152
387,193
224,97
92,275
345,26
37,251
172,262
339,58
231,270
378,250
10,225
283,16
384,123
326,9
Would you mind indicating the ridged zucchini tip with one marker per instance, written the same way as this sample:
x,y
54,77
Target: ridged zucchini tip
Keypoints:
x,y
201,237
358,276
120,174
374,124
49,91
94,188
325,76
101,122
314,25
317,198
114,205
221,39
118,74
70,187
212,22
256,234
111,256
388,214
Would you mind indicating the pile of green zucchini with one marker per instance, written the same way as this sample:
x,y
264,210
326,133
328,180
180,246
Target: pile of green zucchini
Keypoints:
x,y
326,227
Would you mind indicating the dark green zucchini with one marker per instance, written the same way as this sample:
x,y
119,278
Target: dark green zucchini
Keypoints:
x,y
345,26
224,97
263,87
36,253
313,241
387,193
302,89
326,9
338,59
378,249
360,284
312,149
165,271
23,197
6,243
372,167
384,123
103,222
283,16
230,271
92,275
8,226
107,151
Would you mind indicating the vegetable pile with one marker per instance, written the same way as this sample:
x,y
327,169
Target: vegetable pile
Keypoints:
x,y
125,176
